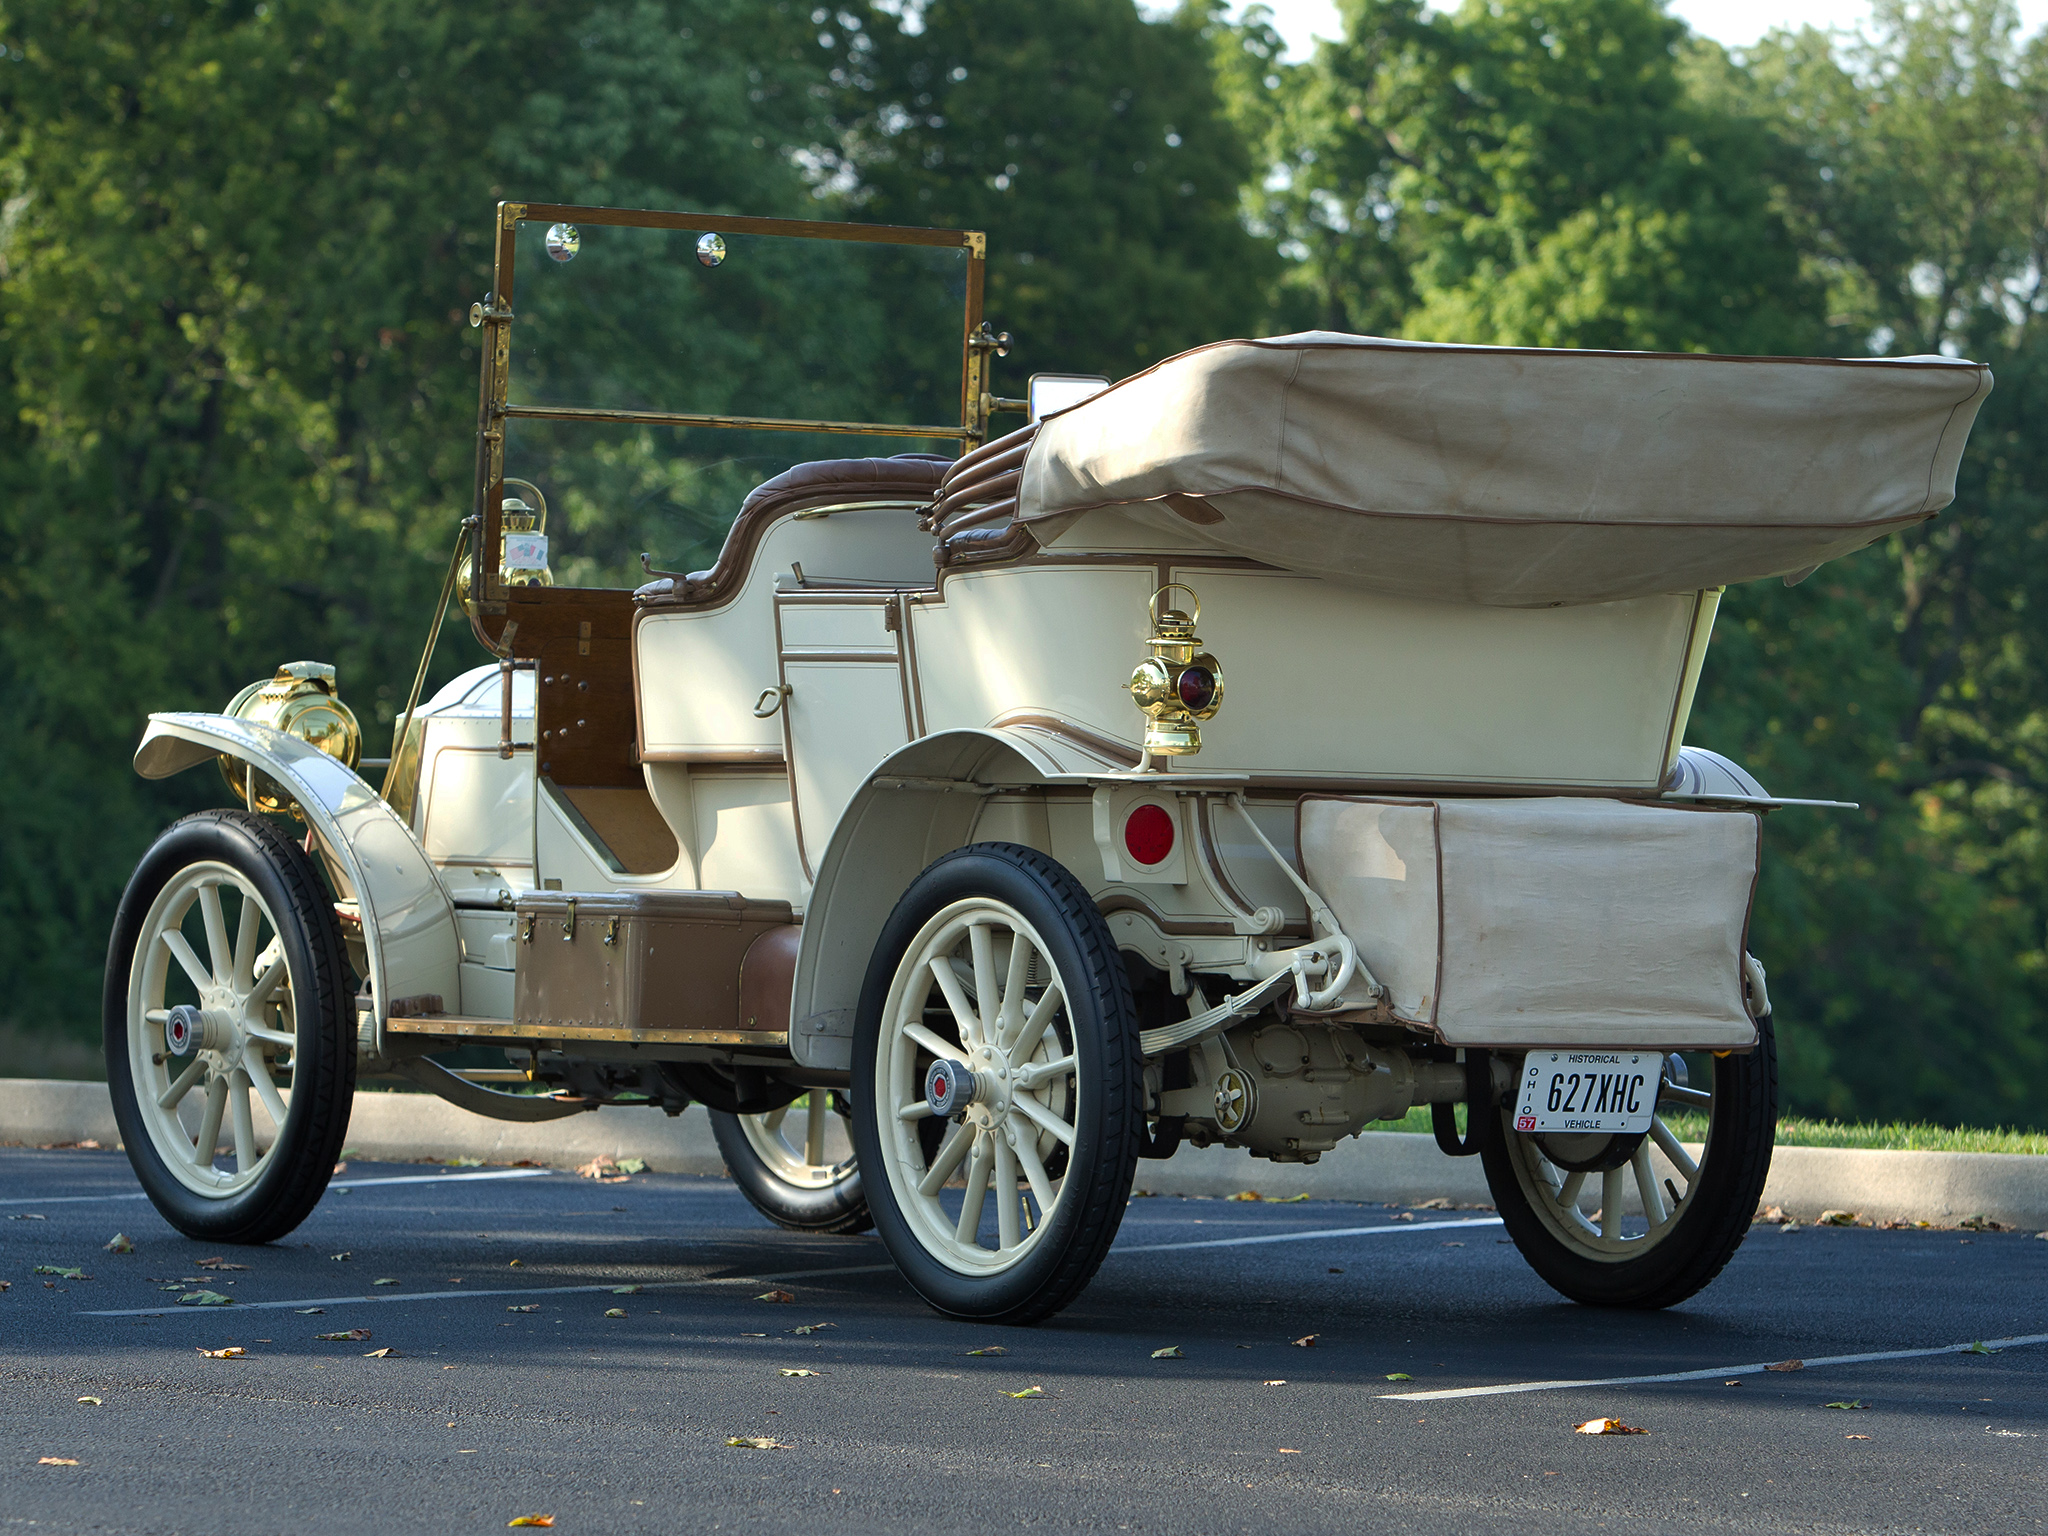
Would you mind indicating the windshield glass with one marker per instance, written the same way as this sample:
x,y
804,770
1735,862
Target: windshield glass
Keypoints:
x,y
647,362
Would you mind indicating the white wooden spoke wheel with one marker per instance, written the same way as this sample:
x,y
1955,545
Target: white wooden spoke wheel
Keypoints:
x,y
978,988
796,1164
1643,1221
805,1144
212,1034
229,1028
997,1099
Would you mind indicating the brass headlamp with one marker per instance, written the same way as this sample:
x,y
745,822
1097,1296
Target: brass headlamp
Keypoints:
x,y
1179,685
301,701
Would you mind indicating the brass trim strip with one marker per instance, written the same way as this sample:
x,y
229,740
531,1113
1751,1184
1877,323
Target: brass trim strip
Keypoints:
x,y
507,1029
708,419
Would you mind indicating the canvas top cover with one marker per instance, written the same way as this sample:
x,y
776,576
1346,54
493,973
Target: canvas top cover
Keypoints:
x,y
1510,476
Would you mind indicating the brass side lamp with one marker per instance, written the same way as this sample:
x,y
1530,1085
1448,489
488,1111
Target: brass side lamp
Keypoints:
x,y
522,542
1179,685
301,700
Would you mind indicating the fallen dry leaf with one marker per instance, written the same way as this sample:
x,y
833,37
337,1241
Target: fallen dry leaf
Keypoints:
x,y
625,1290
1399,1376
386,1353
614,1311
989,1349
310,1311
1280,1383
1307,1341
352,1336
531,1306
515,1263
632,1165
1027,1392
57,1461
599,1167
1854,1402
1286,1451
1607,1427
1837,1219
1440,1203
1770,1213
1787,1365
775,1296
814,1327
205,1299
95,1402
531,1520
797,1371
759,1443
341,1258
120,1242
1171,1352
62,1271
232,1352
383,1282
217,1263
1247,1194
1855,1437
1980,1348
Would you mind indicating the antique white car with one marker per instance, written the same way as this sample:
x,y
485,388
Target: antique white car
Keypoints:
x,y
917,839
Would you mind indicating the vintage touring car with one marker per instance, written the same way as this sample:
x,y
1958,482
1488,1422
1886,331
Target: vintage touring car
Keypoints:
x,y
915,837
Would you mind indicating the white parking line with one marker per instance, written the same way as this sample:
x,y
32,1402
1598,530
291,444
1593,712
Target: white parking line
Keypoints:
x,y
1718,1371
406,1178
647,1287
658,1286
1387,1230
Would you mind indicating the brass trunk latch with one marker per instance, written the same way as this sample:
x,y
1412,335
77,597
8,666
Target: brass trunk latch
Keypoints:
x,y
569,921
1179,685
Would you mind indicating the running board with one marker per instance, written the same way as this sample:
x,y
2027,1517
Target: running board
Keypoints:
x,y
451,1024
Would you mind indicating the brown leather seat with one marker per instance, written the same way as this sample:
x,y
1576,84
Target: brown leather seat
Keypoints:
x,y
911,477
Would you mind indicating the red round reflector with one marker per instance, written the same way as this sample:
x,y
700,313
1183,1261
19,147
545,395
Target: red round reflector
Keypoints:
x,y
1148,834
1197,687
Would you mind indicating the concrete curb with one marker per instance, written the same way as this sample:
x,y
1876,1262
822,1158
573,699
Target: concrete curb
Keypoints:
x,y
1943,1188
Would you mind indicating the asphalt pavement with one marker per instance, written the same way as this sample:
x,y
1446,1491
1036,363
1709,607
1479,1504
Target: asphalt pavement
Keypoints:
x,y
511,1376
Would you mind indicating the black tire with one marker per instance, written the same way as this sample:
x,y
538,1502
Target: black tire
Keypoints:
x,y
1710,1223
295,1172
836,1207
1098,1027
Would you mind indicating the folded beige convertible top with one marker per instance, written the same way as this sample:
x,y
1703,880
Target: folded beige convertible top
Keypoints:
x,y
1516,477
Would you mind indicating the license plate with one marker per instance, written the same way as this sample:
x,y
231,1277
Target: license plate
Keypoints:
x,y
1599,1091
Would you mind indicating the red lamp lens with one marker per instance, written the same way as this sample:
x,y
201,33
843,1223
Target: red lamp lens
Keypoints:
x,y
1197,687
1148,834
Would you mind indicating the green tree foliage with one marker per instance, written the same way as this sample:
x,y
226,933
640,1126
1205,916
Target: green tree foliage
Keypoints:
x,y
237,248
1524,172
1093,148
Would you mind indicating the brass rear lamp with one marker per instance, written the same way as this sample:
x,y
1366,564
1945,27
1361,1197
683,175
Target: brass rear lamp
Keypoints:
x,y
1179,685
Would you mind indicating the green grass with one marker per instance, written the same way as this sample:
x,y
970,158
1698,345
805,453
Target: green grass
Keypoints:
x,y
1794,1132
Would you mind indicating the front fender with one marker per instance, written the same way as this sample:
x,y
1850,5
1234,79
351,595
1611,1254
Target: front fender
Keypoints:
x,y
408,922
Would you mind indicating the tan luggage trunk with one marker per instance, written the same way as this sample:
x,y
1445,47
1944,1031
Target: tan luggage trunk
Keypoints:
x,y
656,964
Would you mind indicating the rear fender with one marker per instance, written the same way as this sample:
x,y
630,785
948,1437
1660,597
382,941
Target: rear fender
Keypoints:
x,y
920,803
408,922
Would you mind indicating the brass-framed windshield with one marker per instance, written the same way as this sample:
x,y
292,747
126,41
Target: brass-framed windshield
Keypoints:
x,y
552,396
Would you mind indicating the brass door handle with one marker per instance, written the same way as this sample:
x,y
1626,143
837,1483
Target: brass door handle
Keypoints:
x,y
770,701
